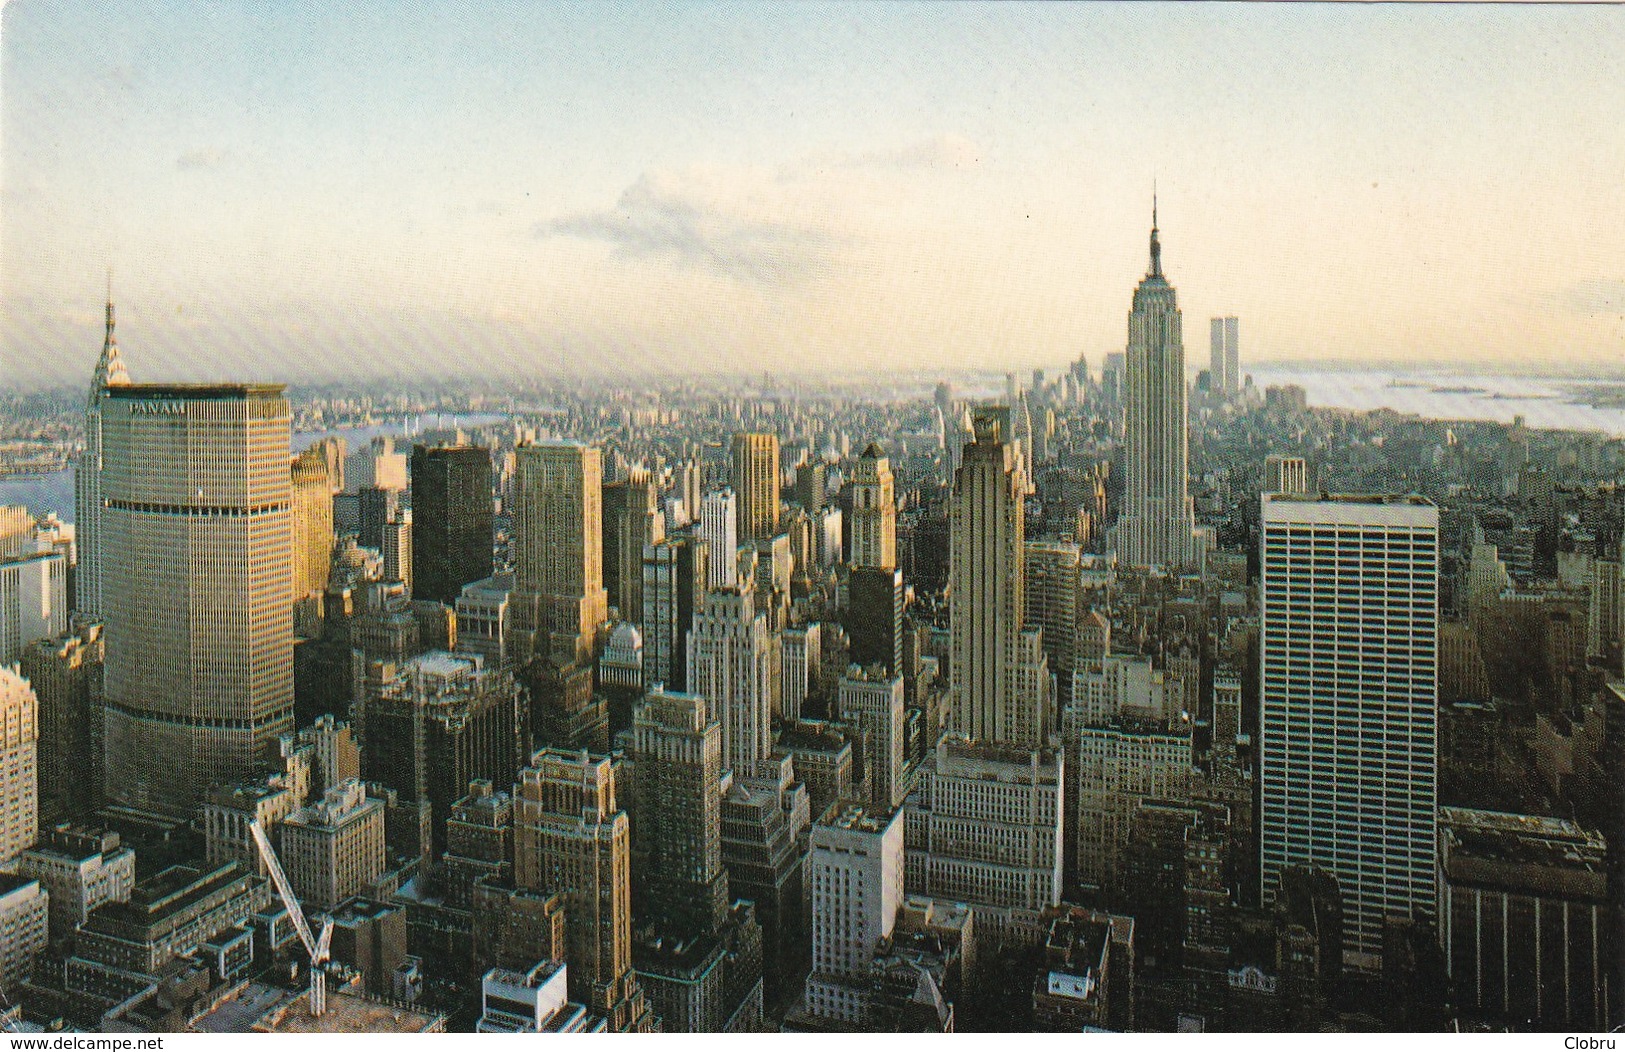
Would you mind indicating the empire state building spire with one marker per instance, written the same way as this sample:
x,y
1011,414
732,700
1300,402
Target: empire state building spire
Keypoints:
x,y
1157,526
1156,246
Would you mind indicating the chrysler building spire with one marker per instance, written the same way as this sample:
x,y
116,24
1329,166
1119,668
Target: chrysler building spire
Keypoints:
x,y
87,471
110,369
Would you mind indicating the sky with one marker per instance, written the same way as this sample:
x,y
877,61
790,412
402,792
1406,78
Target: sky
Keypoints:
x,y
343,191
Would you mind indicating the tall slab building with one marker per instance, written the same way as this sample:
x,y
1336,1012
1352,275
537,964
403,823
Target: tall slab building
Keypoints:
x,y
757,483
197,538
559,597
87,477
451,520
1158,523
1349,690
1224,369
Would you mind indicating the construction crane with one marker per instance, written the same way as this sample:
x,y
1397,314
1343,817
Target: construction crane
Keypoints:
x,y
315,946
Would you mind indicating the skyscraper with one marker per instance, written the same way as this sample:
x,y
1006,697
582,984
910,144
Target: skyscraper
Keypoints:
x,y
197,539
312,523
674,583
988,647
33,600
756,482
19,766
874,512
87,476
632,519
678,835
874,616
698,954
559,598
1224,371
856,879
377,506
451,520
434,724
1348,645
1285,474
66,672
571,839
719,526
871,701
729,649
1158,523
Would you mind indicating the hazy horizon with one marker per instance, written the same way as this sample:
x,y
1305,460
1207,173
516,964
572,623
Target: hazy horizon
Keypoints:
x,y
441,190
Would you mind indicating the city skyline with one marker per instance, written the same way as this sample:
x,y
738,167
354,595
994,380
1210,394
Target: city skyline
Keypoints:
x,y
656,519
802,188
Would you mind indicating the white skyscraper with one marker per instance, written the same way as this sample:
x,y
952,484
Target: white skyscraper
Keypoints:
x,y
856,882
874,512
1349,641
1224,372
1158,523
87,476
719,525
730,666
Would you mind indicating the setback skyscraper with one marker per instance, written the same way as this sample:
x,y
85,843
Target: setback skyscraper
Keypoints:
x,y
197,535
1158,523
997,673
87,477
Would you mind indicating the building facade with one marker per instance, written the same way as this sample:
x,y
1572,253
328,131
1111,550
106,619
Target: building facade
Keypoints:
x,y
757,484
571,839
559,598
197,494
451,520
855,881
1349,690
333,849
19,766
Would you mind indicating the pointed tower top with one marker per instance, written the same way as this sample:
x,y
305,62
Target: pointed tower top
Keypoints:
x,y
110,371
1156,246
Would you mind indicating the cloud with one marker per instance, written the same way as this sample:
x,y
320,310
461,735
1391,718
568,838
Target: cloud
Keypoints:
x,y
1596,296
782,225
940,153
706,220
197,160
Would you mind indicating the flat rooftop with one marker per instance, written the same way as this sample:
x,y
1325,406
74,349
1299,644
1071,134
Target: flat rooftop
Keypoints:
x,y
195,392
1497,836
347,1014
856,817
442,663
10,882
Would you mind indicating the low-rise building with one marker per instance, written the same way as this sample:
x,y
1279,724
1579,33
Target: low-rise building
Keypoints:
x,y
334,849
1523,918
24,927
81,869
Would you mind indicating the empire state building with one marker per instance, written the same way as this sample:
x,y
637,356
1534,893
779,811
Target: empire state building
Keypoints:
x,y
1158,523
